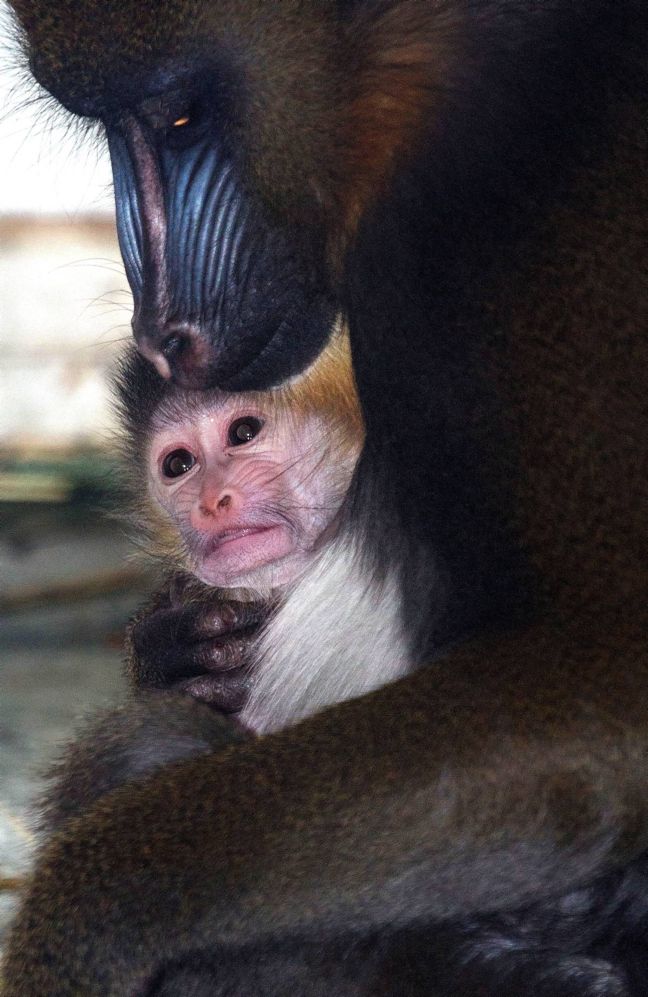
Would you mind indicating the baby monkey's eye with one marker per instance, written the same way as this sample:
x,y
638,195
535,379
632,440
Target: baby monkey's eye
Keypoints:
x,y
177,463
243,430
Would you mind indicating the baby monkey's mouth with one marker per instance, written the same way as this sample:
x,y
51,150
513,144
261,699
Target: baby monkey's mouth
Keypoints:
x,y
201,545
236,532
232,555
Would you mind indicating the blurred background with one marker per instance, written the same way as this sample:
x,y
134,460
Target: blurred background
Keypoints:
x,y
68,580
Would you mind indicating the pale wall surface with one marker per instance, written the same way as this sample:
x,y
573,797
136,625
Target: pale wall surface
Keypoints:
x,y
57,332
64,314
45,166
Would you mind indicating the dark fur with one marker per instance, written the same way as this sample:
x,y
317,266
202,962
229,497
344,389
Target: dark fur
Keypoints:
x,y
568,946
467,181
120,745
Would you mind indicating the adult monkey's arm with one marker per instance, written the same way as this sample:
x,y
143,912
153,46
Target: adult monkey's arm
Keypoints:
x,y
352,820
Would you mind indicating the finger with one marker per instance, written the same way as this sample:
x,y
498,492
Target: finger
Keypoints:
x,y
166,667
223,655
223,692
226,618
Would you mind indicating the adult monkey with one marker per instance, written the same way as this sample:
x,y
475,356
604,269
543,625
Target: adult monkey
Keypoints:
x,y
467,182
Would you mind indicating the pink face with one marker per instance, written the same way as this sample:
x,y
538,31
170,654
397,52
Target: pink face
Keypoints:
x,y
251,492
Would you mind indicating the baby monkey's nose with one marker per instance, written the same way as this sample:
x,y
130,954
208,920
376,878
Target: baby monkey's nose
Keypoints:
x,y
215,502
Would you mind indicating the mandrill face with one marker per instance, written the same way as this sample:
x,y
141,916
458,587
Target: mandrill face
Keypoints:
x,y
226,294
219,211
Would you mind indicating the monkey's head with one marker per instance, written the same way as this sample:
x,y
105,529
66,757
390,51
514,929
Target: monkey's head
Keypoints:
x,y
246,140
241,489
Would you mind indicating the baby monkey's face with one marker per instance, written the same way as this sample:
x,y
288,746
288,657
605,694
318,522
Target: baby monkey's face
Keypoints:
x,y
253,490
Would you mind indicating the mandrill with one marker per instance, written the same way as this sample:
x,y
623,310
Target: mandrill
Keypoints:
x,y
465,183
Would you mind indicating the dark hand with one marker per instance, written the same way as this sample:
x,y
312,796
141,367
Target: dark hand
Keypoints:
x,y
191,640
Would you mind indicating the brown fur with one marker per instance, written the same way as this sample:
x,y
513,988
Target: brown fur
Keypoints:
x,y
521,768
573,388
402,64
322,134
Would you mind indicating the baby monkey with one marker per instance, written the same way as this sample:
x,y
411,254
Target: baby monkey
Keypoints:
x,y
243,498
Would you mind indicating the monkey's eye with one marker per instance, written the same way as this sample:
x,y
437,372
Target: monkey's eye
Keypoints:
x,y
243,430
185,128
177,463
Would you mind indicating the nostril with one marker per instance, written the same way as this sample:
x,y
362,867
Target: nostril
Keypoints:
x,y
225,502
174,346
154,357
182,352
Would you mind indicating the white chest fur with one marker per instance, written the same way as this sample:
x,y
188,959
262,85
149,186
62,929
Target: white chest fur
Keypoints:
x,y
337,635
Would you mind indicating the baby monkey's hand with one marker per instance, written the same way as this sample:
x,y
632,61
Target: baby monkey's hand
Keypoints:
x,y
190,639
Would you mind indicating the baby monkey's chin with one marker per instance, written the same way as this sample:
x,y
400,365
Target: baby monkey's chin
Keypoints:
x,y
263,558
